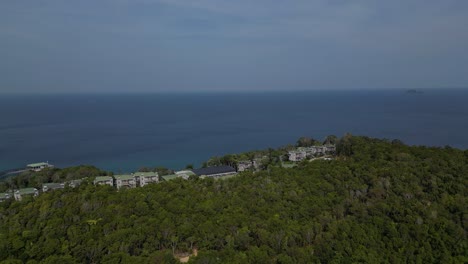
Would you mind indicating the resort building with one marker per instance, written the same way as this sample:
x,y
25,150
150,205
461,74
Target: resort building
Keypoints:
x,y
4,196
185,174
297,155
52,186
330,148
326,149
74,183
104,180
218,171
39,166
19,194
146,177
319,150
127,181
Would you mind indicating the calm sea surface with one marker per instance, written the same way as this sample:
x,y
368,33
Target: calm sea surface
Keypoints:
x,y
124,132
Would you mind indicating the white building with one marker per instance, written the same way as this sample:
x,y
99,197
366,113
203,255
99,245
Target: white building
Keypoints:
x,y
184,174
297,155
104,180
75,183
4,196
146,177
52,186
39,166
19,194
128,181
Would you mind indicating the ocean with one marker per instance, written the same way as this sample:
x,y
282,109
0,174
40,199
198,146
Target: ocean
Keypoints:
x,y
123,132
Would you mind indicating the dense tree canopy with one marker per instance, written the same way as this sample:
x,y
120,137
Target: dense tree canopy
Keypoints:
x,y
378,202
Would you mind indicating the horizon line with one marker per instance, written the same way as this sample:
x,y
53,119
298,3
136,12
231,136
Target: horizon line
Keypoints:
x,y
226,91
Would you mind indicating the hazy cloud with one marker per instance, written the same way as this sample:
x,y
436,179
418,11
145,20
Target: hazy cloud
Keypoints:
x,y
161,45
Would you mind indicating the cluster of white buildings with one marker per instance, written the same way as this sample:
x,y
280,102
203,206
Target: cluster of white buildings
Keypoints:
x,y
140,179
137,179
128,180
307,152
119,181
19,194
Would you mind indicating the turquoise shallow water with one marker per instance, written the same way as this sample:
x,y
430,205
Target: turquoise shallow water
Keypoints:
x,y
127,131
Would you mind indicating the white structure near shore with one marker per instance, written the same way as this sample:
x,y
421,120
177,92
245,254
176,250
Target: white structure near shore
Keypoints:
x,y
39,166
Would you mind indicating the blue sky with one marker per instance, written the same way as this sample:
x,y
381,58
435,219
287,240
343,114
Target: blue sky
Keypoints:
x,y
242,45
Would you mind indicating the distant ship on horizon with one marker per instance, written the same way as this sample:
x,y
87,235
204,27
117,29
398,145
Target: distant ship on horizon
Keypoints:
x,y
414,91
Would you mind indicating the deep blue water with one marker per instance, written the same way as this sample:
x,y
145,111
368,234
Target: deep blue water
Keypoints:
x,y
127,131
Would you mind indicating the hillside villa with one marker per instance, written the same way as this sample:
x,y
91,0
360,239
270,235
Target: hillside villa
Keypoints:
x,y
75,183
126,180
52,186
4,196
19,194
185,174
146,177
104,180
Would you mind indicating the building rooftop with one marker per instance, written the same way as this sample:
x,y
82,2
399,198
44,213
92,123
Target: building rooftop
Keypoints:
x,y
185,172
39,164
27,191
102,178
53,185
214,170
145,174
296,151
170,177
5,195
76,181
124,177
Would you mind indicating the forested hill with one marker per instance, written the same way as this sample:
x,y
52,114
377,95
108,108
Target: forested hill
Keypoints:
x,y
378,202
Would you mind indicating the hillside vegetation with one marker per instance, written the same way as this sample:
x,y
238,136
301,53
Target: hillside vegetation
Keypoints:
x,y
377,202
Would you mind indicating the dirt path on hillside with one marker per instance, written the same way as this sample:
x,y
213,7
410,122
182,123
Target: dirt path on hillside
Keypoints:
x,y
186,257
